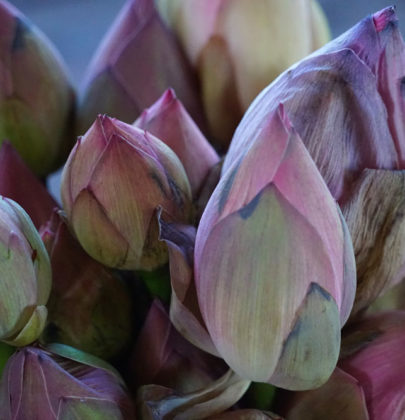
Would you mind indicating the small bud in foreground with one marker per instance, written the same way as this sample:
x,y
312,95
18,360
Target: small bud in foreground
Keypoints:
x,y
36,98
238,47
136,62
168,120
25,274
273,257
89,307
64,383
115,179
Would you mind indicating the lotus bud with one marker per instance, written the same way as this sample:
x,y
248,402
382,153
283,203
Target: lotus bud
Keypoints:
x,y
335,102
36,98
375,217
64,383
273,256
89,307
113,182
163,357
168,120
239,47
25,276
158,402
368,385
377,41
138,59
19,183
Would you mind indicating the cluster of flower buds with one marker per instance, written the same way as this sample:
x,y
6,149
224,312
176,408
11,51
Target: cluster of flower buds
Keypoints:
x,y
246,287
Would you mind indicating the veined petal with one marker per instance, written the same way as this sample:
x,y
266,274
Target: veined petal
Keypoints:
x,y
251,288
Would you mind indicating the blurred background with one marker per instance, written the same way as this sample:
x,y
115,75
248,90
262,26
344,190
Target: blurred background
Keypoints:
x,y
76,27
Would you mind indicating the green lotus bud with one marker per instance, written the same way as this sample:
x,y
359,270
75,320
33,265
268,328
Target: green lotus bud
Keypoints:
x,y
25,274
36,98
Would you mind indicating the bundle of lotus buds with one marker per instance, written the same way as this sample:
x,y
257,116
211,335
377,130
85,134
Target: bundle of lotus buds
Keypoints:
x,y
230,239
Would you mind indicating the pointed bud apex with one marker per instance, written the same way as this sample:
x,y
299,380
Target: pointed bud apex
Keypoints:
x,y
26,276
65,381
36,98
168,120
137,60
294,307
112,185
89,306
344,100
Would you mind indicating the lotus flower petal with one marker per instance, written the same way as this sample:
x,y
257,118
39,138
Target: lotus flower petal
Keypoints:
x,y
158,402
168,120
375,219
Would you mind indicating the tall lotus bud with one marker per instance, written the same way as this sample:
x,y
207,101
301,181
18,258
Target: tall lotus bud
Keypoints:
x,y
273,257
136,62
368,385
64,383
163,357
36,98
239,47
168,120
25,276
113,182
19,183
89,307
336,101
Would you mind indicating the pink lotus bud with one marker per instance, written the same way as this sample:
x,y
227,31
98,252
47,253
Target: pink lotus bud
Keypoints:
x,y
168,120
20,184
239,47
36,98
336,103
274,264
378,42
369,383
60,382
158,402
163,357
25,276
113,182
89,307
136,62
